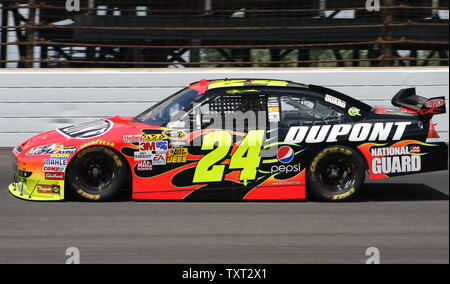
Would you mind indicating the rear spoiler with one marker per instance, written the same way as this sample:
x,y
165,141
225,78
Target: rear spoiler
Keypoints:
x,y
424,107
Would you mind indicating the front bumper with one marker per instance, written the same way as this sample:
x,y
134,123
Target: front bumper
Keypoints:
x,y
20,190
34,186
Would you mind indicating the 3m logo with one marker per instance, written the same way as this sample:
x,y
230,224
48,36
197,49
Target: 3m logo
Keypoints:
x,y
156,146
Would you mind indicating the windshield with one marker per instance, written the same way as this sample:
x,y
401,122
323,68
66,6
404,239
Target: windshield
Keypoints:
x,y
161,113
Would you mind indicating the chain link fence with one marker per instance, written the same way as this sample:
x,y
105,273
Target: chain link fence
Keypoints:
x,y
223,33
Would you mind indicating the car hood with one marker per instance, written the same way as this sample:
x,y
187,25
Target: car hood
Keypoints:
x,y
83,132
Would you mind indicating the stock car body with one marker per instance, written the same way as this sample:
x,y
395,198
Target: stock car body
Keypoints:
x,y
235,139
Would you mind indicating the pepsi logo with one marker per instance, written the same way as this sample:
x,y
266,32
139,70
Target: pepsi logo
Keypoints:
x,y
285,154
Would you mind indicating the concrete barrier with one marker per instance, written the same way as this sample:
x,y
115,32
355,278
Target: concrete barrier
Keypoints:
x,y
33,101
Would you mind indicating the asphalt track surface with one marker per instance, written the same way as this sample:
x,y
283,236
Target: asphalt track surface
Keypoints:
x,y
406,218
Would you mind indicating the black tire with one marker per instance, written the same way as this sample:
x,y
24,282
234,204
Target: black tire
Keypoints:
x,y
336,173
96,174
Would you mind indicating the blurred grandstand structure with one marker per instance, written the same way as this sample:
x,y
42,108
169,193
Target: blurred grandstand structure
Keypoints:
x,y
223,33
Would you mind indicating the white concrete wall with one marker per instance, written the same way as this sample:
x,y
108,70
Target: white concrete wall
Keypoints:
x,y
39,100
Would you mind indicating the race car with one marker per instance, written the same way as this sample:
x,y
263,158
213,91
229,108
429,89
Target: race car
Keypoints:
x,y
235,139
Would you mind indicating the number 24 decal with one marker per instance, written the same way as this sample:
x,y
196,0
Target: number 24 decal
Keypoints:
x,y
246,156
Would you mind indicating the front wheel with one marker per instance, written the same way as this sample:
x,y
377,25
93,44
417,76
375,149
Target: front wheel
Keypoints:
x,y
336,173
96,174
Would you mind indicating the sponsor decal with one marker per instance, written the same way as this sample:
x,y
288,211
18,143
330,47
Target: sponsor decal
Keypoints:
x,y
178,155
354,111
56,162
68,150
391,160
352,132
335,101
54,176
45,150
49,189
233,92
44,188
144,166
174,134
152,137
132,139
178,144
285,154
142,156
60,156
53,169
414,150
56,189
159,160
273,110
87,130
285,169
434,103
154,146
97,142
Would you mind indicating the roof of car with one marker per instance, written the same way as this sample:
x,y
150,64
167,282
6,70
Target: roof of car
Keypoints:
x,y
206,85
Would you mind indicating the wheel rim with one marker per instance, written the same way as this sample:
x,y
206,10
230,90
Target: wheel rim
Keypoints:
x,y
95,172
336,172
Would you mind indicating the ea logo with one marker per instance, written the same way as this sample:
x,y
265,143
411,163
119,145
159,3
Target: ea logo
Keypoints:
x,y
285,154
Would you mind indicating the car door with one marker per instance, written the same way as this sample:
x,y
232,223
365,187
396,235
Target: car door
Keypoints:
x,y
228,129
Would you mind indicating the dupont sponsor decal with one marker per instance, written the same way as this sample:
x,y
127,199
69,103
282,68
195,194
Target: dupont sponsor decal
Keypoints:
x,y
54,176
380,131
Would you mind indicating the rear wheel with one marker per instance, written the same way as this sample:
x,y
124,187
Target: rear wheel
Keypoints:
x,y
96,174
336,173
